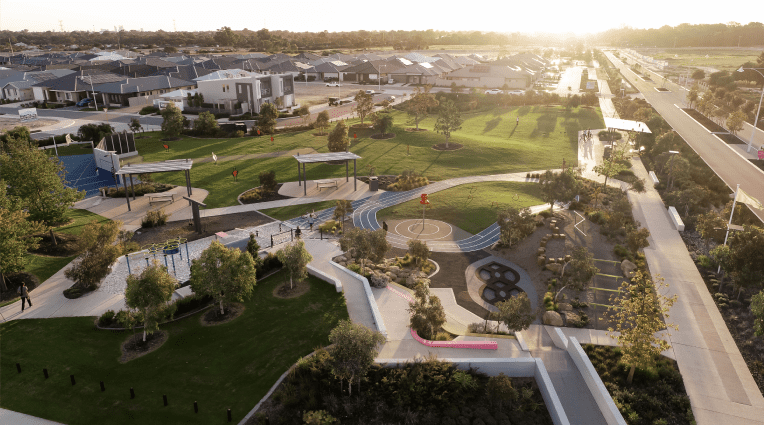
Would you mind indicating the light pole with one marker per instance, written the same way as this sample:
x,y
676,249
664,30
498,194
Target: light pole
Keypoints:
x,y
94,96
753,131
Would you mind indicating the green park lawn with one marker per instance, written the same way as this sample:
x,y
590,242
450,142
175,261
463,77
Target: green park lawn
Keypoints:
x,y
291,211
473,215
493,144
71,150
231,365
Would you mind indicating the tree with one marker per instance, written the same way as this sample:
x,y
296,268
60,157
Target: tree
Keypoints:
x,y
304,113
427,314
15,231
746,258
172,121
338,138
224,274
295,258
612,166
170,49
636,239
638,315
500,388
353,351
135,125
561,186
449,120
322,121
97,244
698,74
366,244
206,124
383,123
148,292
708,225
268,181
735,121
268,115
515,224
95,132
582,270
17,135
364,104
757,308
421,101
254,250
226,37
343,208
692,95
515,313
37,181
419,251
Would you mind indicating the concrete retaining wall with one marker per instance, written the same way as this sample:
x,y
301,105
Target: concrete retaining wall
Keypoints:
x,y
558,338
376,315
594,383
325,277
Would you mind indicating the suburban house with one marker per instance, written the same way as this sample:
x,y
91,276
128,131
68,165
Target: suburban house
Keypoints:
x,y
73,87
138,91
178,97
327,70
234,90
21,86
489,76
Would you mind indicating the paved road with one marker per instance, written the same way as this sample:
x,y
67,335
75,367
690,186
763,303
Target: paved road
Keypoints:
x,y
723,160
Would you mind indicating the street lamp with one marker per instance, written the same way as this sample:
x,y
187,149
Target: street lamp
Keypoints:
x,y
753,131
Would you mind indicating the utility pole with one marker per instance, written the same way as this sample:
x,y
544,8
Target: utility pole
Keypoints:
x,y
174,26
61,25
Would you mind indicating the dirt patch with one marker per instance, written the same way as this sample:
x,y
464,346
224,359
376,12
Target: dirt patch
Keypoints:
x,y
65,246
210,226
287,291
450,147
134,347
213,317
11,123
415,129
380,136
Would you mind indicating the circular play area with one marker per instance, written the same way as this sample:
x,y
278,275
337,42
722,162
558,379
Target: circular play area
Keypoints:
x,y
494,279
431,230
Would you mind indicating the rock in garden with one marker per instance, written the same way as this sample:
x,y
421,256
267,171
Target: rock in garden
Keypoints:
x,y
342,263
392,276
552,318
341,259
541,260
571,319
541,251
394,269
379,280
628,268
554,268
565,307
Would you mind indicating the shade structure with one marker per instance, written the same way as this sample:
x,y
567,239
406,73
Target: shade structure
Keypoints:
x,y
155,167
325,157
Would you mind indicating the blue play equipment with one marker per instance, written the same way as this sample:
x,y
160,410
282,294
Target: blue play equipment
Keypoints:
x,y
82,174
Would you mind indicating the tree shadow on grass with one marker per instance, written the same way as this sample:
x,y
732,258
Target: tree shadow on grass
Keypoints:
x,y
523,110
490,125
546,123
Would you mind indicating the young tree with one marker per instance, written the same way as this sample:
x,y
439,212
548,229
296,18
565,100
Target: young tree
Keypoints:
x,y
561,186
746,258
757,308
427,314
295,258
224,274
636,239
148,293
15,231
172,121
206,124
366,244
708,225
610,167
338,138
97,244
449,120
343,208
638,315
268,181
364,104
692,95
383,123
254,250
353,351
35,179
422,101
515,224
419,251
515,313
268,115
698,74
95,132
582,270
135,125
499,388
304,113
322,121
735,121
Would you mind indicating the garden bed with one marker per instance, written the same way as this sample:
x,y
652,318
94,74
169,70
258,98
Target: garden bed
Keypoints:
x,y
210,226
705,121
246,198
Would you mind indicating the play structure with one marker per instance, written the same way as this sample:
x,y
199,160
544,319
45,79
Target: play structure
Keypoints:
x,y
170,247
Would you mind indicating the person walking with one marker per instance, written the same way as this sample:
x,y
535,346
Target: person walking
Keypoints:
x,y
24,291
310,221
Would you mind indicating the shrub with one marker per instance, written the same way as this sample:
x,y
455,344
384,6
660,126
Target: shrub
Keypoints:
x,y
154,218
238,133
704,261
268,180
106,319
623,253
192,303
140,189
270,262
408,180
250,196
146,110
328,225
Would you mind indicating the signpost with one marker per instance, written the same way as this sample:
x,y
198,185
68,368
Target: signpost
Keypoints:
x,y
29,114
424,201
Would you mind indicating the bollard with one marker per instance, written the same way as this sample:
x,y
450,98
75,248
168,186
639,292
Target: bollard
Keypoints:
x,y
45,373
291,235
72,378
229,415
321,232
196,408
271,247
128,265
103,387
132,393
164,398
18,367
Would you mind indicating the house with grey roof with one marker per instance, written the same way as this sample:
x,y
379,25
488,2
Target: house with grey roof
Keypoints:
x,y
243,91
138,91
489,76
20,87
324,71
73,87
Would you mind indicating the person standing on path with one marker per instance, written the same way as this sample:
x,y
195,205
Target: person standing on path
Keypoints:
x,y
517,122
24,296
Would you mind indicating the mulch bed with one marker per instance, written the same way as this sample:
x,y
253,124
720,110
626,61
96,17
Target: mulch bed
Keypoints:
x,y
380,136
66,245
415,129
210,226
213,317
273,196
286,291
77,290
451,147
134,347
704,121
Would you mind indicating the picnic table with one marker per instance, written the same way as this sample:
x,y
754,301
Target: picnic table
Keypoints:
x,y
326,183
160,197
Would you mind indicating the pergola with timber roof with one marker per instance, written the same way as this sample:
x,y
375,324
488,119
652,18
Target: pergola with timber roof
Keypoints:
x,y
155,167
326,157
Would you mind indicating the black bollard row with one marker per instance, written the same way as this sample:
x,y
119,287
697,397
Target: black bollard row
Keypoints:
x,y
132,393
103,387
45,373
18,367
196,408
72,378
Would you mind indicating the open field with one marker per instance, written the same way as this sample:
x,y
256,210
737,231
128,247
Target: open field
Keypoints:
x,y
493,144
231,365
471,207
723,59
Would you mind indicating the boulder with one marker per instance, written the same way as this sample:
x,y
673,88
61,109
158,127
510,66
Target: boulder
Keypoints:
x,y
565,307
541,251
379,280
341,259
541,260
392,276
628,268
552,318
542,243
394,269
342,263
572,319
554,268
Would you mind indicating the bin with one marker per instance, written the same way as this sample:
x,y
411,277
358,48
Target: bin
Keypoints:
x,y
373,184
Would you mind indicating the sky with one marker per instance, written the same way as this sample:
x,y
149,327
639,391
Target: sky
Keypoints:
x,y
555,16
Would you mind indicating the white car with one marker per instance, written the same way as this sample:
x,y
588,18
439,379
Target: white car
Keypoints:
x,y
369,91
333,85
493,91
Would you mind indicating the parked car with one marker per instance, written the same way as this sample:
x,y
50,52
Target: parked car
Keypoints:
x,y
333,85
493,91
369,91
84,101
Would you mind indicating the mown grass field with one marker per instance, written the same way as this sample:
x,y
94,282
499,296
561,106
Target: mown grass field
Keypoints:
x,y
231,365
722,59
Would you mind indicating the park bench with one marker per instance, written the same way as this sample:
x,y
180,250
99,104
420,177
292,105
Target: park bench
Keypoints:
x,y
678,223
654,178
326,183
160,197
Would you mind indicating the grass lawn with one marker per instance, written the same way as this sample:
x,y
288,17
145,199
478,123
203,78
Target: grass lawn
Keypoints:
x,y
226,366
493,144
80,219
716,58
473,215
71,150
291,211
